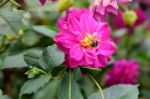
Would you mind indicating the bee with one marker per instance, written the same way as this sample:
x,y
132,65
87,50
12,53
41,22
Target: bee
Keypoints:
x,y
93,43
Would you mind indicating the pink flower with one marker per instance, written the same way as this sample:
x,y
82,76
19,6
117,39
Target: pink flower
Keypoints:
x,y
145,3
42,2
123,72
99,8
119,23
84,41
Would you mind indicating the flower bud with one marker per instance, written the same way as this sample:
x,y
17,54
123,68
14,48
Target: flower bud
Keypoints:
x,y
10,37
129,18
21,33
64,4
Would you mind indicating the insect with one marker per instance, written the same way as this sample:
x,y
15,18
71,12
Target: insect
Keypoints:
x,y
93,43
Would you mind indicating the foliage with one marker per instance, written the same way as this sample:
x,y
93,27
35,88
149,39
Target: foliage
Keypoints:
x,y
118,92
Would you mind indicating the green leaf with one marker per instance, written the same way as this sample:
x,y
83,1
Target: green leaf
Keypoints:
x,y
118,92
146,46
52,57
77,74
1,93
87,86
3,96
32,57
63,91
14,61
120,32
49,91
30,38
11,23
34,85
138,34
54,28
44,30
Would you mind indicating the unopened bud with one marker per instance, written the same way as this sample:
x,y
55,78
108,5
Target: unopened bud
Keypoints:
x,y
21,33
10,37
64,4
130,18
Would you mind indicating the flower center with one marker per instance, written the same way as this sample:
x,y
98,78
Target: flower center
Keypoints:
x,y
89,41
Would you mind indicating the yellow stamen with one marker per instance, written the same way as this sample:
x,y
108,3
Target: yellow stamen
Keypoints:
x,y
89,41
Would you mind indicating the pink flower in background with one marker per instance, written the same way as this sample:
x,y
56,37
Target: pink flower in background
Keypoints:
x,y
118,20
123,72
119,23
145,1
141,17
42,1
84,41
99,8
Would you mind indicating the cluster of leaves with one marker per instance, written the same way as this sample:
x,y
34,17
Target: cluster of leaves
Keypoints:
x,y
56,79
